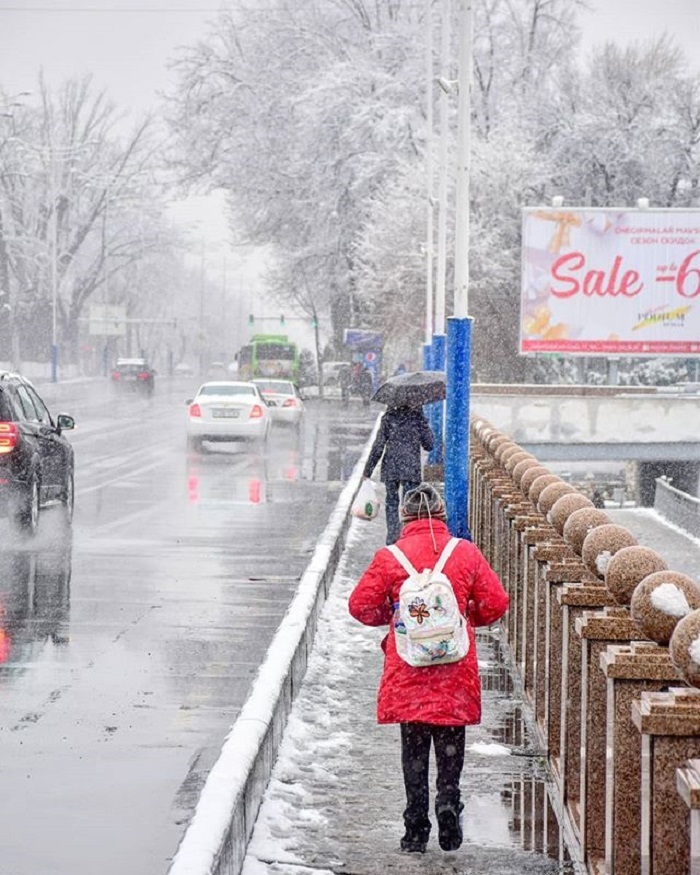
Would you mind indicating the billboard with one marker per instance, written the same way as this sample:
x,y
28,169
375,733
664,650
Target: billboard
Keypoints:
x,y
610,282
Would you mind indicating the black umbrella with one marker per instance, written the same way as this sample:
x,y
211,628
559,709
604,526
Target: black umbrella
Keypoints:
x,y
412,389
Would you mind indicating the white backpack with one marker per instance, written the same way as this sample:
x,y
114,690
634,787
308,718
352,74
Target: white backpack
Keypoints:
x,y
428,626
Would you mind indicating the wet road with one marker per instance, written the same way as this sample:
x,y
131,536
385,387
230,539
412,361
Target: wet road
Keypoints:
x,y
127,651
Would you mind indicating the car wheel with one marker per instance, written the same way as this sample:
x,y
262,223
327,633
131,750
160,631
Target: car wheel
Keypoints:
x,y
26,510
68,500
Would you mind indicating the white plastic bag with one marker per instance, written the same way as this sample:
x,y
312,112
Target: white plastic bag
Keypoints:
x,y
366,504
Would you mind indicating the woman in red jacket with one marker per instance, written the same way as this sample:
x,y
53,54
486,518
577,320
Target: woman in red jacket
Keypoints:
x,y
432,703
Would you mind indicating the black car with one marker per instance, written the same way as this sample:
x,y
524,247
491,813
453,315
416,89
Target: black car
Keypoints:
x,y
36,460
133,374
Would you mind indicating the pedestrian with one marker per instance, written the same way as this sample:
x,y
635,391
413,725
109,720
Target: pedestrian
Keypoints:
x,y
598,499
402,433
432,704
344,379
366,386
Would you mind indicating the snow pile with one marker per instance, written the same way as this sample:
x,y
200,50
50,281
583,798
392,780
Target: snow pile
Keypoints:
x,y
489,749
601,562
694,651
670,600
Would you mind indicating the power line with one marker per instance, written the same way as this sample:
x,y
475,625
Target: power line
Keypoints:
x,y
110,9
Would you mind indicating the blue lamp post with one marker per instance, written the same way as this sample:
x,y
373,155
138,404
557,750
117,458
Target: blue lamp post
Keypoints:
x,y
459,325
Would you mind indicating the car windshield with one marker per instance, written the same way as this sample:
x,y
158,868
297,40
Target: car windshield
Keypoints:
x,y
226,389
277,386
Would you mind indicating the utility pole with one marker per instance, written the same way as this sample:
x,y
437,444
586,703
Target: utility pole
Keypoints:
x,y
201,306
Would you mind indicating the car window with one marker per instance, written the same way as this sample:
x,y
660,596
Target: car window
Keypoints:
x,y
29,411
41,408
227,390
277,386
10,410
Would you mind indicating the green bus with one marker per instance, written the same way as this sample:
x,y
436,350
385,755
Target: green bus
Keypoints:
x,y
269,355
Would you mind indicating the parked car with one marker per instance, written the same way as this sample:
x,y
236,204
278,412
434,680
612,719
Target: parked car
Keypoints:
x,y
36,460
134,374
227,411
284,400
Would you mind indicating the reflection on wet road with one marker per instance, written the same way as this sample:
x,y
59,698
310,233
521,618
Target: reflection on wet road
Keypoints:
x,y
126,654
512,803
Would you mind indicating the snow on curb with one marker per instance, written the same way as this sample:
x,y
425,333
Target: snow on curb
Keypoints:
x,y
216,839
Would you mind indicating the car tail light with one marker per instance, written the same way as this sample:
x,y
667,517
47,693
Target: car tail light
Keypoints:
x,y
195,411
290,402
256,411
144,375
116,375
9,436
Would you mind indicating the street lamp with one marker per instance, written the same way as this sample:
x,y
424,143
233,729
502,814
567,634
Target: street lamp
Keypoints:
x,y
459,325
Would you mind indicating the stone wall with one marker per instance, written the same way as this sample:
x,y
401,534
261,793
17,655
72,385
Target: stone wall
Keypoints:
x,y
606,640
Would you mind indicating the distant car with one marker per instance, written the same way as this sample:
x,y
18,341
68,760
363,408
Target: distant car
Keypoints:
x,y
183,369
36,460
284,400
227,411
133,374
217,369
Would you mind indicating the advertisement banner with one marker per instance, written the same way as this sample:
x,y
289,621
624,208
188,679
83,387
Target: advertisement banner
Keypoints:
x,y
610,282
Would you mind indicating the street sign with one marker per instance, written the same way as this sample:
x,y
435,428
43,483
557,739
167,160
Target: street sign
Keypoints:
x,y
107,320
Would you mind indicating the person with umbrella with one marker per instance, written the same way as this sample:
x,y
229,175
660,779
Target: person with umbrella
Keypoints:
x,y
403,431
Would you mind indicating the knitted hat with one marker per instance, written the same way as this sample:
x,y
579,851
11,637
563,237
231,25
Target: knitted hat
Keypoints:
x,y
423,502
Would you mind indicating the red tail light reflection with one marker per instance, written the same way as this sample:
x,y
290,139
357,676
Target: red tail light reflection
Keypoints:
x,y
5,640
254,490
193,488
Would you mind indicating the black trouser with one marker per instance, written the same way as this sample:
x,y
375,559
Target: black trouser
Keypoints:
x,y
415,759
393,500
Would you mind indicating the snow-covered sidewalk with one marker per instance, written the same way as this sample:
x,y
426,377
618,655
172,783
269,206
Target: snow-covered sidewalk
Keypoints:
x,y
335,799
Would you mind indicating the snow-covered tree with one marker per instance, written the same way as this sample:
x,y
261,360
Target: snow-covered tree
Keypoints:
x,y
301,112
79,204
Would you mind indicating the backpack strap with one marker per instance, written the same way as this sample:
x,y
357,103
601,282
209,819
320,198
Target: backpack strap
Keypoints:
x,y
445,555
401,558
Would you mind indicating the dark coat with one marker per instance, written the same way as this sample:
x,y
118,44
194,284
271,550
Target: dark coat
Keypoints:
x,y
402,433
444,695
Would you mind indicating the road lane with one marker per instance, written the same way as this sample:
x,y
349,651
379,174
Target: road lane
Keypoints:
x,y
125,656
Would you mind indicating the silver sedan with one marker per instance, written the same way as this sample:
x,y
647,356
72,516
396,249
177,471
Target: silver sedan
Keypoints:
x,y
284,400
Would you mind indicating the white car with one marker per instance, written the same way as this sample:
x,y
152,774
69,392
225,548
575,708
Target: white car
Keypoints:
x,y
227,411
284,400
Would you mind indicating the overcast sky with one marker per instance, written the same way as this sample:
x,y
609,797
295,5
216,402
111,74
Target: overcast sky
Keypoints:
x,y
126,44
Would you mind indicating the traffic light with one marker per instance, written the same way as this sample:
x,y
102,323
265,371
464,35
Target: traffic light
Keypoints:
x,y
251,319
314,322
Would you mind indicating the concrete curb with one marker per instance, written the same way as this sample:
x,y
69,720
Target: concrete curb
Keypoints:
x,y
217,836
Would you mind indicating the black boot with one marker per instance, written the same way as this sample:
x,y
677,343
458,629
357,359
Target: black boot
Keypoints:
x,y
449,821
415,839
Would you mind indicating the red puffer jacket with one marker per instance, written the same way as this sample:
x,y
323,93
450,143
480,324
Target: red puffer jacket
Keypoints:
x,y
446,695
